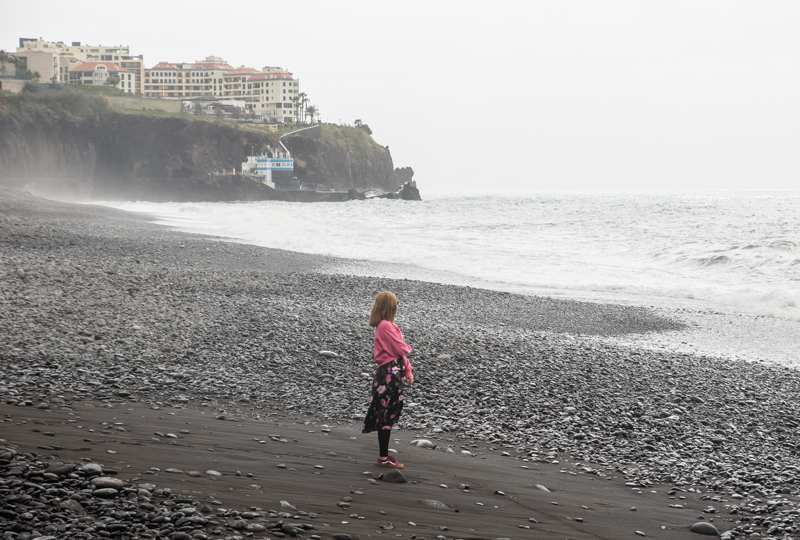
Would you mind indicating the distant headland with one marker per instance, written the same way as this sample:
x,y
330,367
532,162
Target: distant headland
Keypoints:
x,y
106,127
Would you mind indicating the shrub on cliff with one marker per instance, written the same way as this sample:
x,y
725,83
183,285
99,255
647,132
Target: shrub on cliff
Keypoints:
x,y
53,105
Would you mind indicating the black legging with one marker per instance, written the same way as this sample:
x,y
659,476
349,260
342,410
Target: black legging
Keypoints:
x,y
383,441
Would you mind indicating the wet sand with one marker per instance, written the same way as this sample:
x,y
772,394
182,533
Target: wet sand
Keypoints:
x,y
604,503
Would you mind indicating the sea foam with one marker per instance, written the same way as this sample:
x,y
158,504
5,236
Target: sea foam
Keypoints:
x,y
736,250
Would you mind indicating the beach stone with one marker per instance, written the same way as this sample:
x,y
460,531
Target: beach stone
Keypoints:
x,y
255,527
238,524
439,505
423,443
290,530
328,354
540,487
173,471
73,505
91,468
341,536
195,474
703,527
393,477
61,469
105,493
212,472
107,482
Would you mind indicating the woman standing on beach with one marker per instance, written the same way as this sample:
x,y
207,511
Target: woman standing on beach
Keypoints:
x,y
393,369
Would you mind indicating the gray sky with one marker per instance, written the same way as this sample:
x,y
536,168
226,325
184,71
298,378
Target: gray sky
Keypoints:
x,y
504,95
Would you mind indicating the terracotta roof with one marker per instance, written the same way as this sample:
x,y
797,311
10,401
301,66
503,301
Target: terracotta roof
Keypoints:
x,y
191,65
91,66
263,76
240,71
208,65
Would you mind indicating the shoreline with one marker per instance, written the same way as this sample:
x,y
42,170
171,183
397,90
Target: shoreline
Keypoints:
x,y
101,306
709,329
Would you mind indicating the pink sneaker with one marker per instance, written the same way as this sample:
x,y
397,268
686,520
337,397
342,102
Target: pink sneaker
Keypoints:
x,y
389,462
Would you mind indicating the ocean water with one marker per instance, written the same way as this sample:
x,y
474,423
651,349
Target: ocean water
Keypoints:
x,y
720,253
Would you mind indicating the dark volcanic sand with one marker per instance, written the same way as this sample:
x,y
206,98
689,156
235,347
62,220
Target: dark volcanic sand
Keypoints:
x,y
99,307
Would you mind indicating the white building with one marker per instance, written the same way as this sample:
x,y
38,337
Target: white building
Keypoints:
x,y
270,93
267,167
98,73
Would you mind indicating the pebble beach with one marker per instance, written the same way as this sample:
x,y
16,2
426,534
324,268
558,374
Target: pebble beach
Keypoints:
x,y
159,384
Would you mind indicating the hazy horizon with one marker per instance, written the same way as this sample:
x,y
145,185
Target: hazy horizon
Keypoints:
x,y
507,96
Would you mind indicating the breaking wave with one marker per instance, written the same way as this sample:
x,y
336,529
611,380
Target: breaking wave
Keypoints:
x,y
708,250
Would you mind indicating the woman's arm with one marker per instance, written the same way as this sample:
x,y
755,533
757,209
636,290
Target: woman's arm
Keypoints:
x,y
391,339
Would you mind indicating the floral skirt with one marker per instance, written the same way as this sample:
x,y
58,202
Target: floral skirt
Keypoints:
x,y
387,397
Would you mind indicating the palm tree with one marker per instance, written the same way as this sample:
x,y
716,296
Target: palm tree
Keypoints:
x,y
296,100
312,110
303,100
7,58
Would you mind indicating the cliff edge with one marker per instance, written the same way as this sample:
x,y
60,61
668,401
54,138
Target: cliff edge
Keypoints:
x,y
70,145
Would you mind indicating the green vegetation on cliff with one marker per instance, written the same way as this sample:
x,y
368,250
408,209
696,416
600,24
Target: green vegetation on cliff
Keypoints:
x,y
52,106
67,141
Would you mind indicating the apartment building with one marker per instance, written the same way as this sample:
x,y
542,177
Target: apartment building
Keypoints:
x,y
45,63
179,80
270,93
65,63
97,74
118,54
235,86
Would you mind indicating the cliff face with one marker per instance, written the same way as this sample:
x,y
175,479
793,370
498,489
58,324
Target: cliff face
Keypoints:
x,y
343,157
76,146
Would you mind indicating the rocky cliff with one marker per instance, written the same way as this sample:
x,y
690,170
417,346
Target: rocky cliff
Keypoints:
x,y
68,144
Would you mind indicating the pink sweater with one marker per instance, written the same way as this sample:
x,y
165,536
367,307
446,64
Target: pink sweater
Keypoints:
x,y
389,345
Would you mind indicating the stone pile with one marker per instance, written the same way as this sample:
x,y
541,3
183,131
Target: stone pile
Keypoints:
x,y
40,499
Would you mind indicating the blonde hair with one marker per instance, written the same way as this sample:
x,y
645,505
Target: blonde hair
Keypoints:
x,y
384,308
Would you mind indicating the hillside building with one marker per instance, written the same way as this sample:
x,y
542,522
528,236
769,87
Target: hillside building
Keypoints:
x,y
181,80
97,74
46,63
118,54
267,93
270,93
